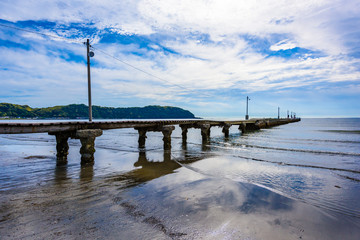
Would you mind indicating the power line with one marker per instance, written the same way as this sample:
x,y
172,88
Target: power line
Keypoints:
x,y
109,55
150,74
39,33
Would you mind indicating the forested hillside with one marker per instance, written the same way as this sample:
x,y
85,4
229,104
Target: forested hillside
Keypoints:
x,y
74,111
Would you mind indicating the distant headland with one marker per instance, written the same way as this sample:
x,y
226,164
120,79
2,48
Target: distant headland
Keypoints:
x,y
80,111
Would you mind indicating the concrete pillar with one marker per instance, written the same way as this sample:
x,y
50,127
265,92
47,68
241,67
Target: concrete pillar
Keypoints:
x,y
267,123
87,139
242,127
142,138
167,130
184,131
205,132
260,124
62,146
225,129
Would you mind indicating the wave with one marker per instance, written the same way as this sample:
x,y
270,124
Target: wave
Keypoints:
x,y
305,139
342,131
299,150
289,164
298,165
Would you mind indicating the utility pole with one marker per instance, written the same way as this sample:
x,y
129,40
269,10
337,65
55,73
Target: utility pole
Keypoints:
x,y
278,112
247,108
89,54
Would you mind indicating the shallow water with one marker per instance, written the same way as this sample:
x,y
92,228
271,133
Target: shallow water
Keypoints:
x,y
299,180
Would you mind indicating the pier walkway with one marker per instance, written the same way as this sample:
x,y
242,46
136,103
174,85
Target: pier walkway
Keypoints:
x,y
88,131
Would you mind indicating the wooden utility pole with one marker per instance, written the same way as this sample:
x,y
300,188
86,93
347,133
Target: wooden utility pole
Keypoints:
x,y
278,112
247,108
89,78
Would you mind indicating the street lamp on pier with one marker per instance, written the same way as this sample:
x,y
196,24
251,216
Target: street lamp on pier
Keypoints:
x,y
88,55
247,108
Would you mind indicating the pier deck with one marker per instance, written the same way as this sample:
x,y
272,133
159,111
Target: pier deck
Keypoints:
x,y
88,131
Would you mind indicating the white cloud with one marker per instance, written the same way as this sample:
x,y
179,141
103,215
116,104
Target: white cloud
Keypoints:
x,y
224,62
317,25
283,45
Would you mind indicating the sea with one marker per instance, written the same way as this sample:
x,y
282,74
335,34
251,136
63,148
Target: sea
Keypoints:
x,y
295,181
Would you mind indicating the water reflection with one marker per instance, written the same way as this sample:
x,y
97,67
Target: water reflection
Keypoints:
x,y
60,174
260,198
225,209
148,170
205,146
86,173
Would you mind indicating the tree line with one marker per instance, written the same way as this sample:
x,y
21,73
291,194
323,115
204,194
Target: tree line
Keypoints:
x,y
74,111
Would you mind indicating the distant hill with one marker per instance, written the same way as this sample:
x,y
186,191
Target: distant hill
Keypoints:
x,y
74,111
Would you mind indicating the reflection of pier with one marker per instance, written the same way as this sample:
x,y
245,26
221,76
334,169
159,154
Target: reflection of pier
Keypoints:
x,y
149,170
86,132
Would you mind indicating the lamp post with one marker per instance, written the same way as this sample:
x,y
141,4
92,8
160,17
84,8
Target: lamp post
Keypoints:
x,y
89,54
247,108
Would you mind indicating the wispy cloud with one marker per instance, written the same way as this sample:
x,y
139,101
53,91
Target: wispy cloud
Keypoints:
x,y
217,51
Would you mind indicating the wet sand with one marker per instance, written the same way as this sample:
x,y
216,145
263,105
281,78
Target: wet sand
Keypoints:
x,y
196,191
182,204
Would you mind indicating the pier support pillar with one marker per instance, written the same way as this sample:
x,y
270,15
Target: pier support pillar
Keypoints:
x,y
87,139
184,131
62,146
205,132
167,130
142,137
225,129
242,127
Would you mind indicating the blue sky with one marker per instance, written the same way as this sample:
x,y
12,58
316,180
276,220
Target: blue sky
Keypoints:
x,y
302,56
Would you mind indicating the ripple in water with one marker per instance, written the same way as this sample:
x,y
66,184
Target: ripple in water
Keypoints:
x,y
294,181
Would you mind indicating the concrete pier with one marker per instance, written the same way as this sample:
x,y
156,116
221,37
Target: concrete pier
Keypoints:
x,y
88,131
87,139
205,132
225,129
142,137
167,130
62,146
184,131
242,127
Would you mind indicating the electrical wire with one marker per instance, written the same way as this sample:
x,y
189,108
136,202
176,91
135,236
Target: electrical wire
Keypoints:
x,y
150,74
43,34
109,55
